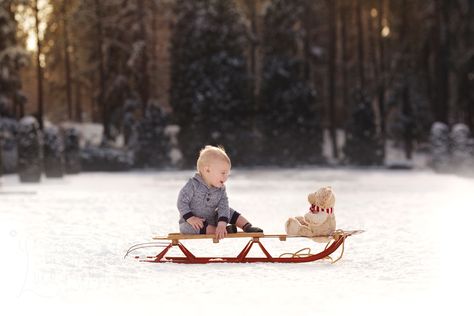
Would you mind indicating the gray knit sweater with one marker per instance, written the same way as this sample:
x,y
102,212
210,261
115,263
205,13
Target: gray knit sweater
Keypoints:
x,y
197,199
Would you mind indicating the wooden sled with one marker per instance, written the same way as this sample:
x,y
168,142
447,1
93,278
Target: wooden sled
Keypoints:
x,y
337,239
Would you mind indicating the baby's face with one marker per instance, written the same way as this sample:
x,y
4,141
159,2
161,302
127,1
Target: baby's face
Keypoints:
x,y
216,173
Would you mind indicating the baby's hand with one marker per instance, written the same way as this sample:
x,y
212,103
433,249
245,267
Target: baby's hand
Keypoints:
x,y
221,230
196,222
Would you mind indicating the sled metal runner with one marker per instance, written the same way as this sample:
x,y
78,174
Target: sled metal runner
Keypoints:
x,y
304,255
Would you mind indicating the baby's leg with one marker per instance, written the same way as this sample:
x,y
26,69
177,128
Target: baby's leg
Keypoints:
x,y
241,221
238,220
186,229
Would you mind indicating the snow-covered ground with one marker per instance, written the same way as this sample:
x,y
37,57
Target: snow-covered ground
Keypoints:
x,y
62,246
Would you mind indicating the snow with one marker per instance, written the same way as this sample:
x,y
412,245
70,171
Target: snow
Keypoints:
x,y
63,242
28,121
90,133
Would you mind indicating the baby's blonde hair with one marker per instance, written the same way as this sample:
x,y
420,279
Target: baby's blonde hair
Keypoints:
x,y
210,153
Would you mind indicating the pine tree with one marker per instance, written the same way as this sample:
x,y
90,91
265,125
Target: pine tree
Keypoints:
x,y
410,119
209,84
103,37
288,119
363,146
187,47
12,58
153,145
8,143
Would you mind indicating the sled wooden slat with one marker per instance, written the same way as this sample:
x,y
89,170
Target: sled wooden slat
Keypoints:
x,y
282,237
178,236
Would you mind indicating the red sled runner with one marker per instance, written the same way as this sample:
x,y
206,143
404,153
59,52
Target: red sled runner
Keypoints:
x,y
337,239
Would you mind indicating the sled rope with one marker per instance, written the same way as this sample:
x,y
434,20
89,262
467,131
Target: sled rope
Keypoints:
x,y
298,254
306,252
342,250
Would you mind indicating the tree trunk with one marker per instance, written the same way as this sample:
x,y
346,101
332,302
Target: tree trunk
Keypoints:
x,y
102,79
360,45
307,18
78,86
144,78
252,7
67,64
381,79
406,55
153,47
39,68
345,56
408,130
332,75
442,62
372,41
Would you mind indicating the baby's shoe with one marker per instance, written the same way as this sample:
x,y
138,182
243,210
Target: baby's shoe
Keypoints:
x,y
231,229
248,228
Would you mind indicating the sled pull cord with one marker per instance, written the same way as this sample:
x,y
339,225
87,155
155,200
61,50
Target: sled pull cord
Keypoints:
x,y
306,252
298,254
342,250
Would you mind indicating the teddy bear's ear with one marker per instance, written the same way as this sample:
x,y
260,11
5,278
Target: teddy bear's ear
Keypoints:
x,y
325,197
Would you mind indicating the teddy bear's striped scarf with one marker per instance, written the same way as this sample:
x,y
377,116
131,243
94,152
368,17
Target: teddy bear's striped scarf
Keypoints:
x,y
316,209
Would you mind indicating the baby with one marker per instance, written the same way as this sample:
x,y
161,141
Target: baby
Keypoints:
x,y
202,203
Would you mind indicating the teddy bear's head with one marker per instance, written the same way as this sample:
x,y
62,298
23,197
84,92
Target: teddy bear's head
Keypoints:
x,y
323,198
322,207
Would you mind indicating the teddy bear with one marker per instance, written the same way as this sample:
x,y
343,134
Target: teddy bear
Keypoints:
x,y
320,221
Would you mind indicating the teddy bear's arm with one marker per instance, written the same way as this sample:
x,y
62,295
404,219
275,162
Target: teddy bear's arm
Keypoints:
x,y
301,220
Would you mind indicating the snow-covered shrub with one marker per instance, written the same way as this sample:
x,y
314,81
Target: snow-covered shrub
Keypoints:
x,y
53,150
8,145
29,150
439,145
105,159
460,146
470,146
72,156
